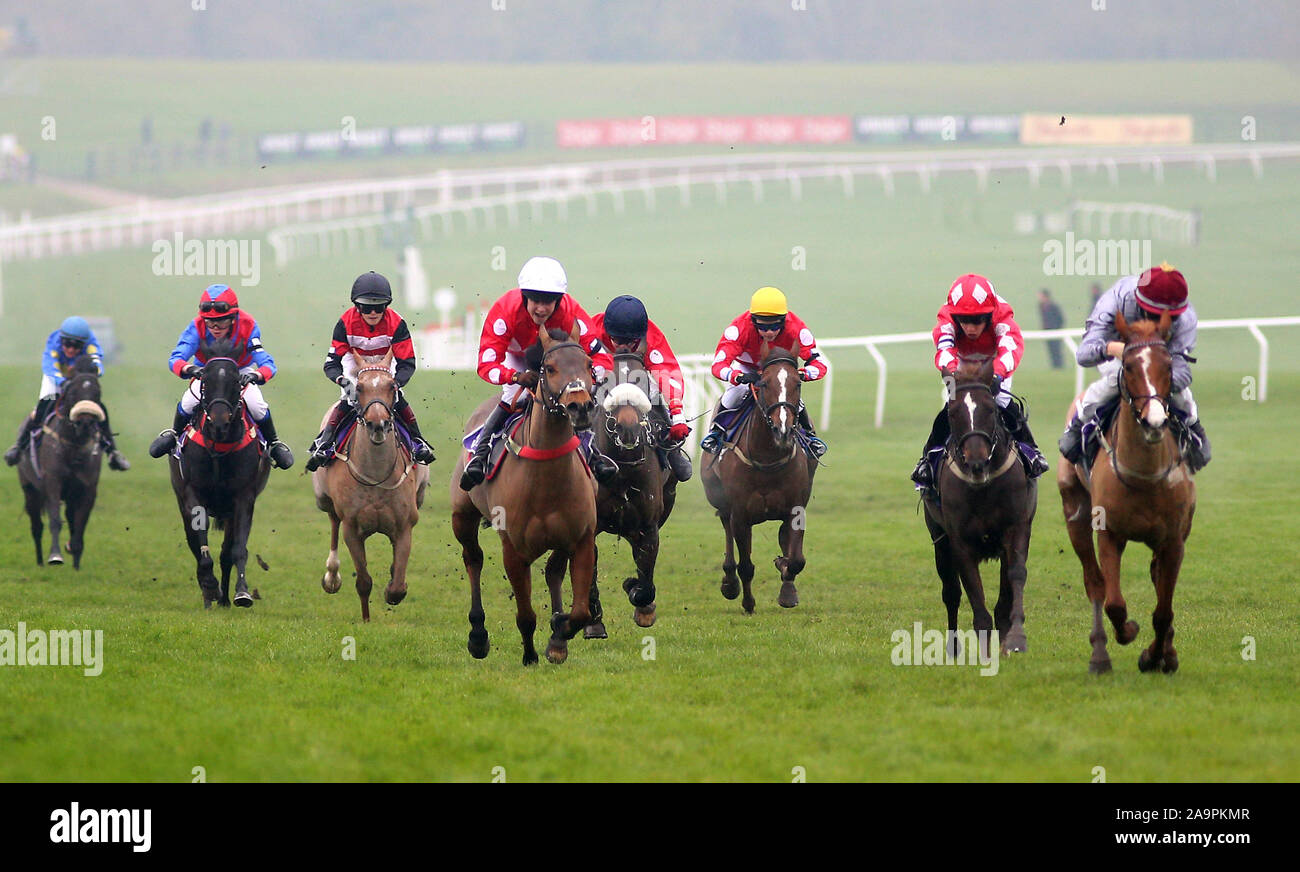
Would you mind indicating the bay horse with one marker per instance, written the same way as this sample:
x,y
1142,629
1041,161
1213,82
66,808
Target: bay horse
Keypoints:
x,y
985,511
637,501
64,470
373,486
764,475
542,498
1143,492
218,476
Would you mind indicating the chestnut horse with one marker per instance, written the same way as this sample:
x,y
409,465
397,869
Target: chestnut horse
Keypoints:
x,y
541,499
764,476
1143,492
372,486
985,512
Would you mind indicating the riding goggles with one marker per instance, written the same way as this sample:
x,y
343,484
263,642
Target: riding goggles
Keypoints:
x,y
221,307
624,340
371,308
768,324
75,344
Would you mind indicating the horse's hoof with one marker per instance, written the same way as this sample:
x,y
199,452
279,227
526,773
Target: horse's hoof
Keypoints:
x,y
224,603
730,589
478,644
1099,667
748,606
530,658
1016,644
1129,634
55,560
331,587
595,630
789,596
644,617
1147,663
1170,664
556,655
244,599
395,597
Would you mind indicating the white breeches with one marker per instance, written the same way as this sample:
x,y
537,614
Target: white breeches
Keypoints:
x,y
48,388
510,393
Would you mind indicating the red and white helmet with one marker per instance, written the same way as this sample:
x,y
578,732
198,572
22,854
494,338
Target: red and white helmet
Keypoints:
x,y
972,295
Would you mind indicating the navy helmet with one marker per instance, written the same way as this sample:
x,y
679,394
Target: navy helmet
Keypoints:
x,y
625,317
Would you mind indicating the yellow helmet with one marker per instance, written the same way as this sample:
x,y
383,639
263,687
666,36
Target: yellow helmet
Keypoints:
x,y
768,301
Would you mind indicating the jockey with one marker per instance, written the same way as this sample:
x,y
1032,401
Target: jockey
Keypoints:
x,y
66,346
540,302
976,321
622,328
1149,295
736,361
221,318
369,328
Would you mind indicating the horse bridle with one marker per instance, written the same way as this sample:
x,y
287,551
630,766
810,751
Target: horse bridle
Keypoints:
x,y
647,427
387,425
1129,397
954,449
236,408
551,401
767,412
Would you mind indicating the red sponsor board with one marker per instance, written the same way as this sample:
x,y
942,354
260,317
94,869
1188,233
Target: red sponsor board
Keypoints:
x,y
703,129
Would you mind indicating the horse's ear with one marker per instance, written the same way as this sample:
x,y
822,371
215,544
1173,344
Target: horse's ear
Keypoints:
x,y
356,357
575,335
388,358
986,372
1121,325
764,349
1166,324
544,336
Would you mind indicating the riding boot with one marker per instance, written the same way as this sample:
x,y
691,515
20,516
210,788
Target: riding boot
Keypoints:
x,y
680,463
322,447
166,440
712,441
1017,423
922,476
476,469
421,450
1071,441
34,420
602,467
116,460
281,456
1198,447
814,442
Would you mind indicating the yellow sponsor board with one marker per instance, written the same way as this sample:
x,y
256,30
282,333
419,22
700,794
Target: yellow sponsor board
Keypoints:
x,y
1105,129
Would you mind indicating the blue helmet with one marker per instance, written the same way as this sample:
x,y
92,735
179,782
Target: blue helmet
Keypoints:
x,y
75,327
625,317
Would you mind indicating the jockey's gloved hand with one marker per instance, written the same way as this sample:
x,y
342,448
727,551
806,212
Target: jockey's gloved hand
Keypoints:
x,y
250,378
527,378
679,431
803,374
349,388
191,371
744,378
997,385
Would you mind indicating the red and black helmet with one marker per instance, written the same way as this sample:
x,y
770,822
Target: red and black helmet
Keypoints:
x,y
1162,289
218,301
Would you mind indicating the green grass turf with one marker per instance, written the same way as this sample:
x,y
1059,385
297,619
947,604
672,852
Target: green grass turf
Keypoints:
x,y
266,695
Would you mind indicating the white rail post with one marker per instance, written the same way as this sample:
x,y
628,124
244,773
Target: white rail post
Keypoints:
x,y
880,383
1263,360
828,388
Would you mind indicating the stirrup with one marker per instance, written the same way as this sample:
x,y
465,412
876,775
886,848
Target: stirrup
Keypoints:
x,y
422,452
163,443
281,456
816,445
712,441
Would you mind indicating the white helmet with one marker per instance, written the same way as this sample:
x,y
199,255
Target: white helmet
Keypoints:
x,y
543,275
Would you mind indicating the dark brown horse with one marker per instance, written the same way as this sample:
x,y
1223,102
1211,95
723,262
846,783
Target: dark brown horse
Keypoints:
x,y
541,499
66,467
985,512
373,486
218,477
1141,491
637,501
764,475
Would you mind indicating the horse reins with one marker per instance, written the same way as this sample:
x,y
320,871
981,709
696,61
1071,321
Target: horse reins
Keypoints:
x,y
1116,466
361,418
953,450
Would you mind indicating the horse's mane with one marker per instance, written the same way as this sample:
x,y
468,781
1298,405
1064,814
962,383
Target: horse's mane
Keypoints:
x,y
776,351
1142,328
86,366
975,371
220,348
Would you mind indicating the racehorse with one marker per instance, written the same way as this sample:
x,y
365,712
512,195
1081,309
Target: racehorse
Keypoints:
x,y
985,511
373,487
633,504
65,468
542,498
1144,493
764,475
221,469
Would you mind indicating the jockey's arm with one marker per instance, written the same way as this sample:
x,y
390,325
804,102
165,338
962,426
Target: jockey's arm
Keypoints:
x,y
184,351
1094,348
492,349
403,354
1182,341
338,350
729,348
261,357
815,363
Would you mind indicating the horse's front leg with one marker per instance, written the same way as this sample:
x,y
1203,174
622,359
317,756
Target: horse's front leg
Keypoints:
x,y
1110,550
641,589
791,561
596,628
194,515
969,572
396,590
53,503
35,505
521,582
227,561
1010,608
78,519
744,536
464,526
331,581
946,566
730,583
237,533
1164,575
357,548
